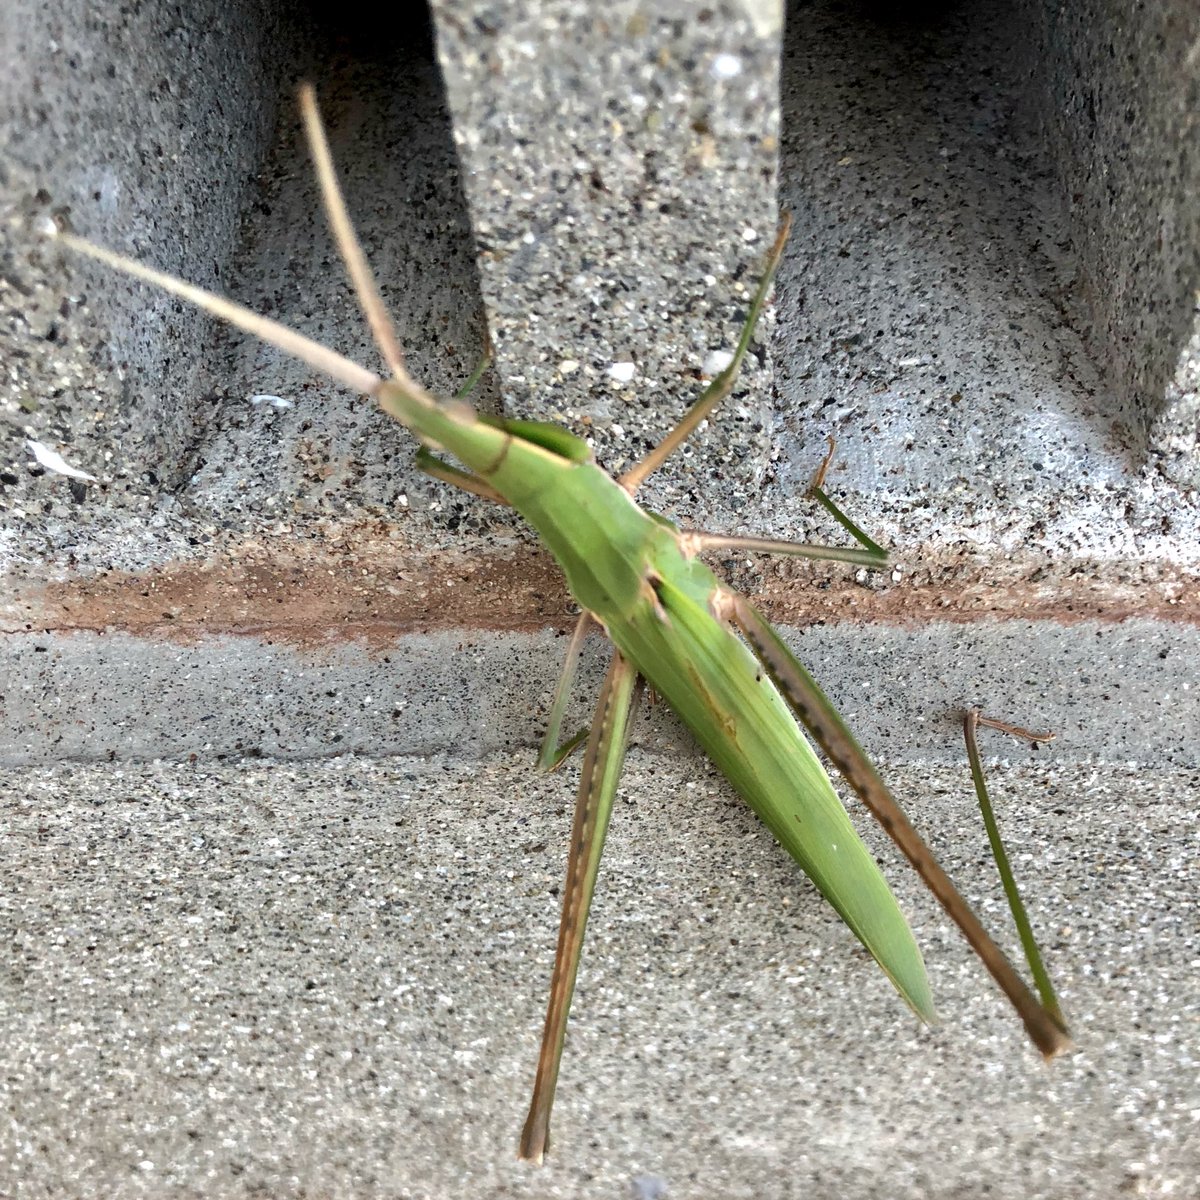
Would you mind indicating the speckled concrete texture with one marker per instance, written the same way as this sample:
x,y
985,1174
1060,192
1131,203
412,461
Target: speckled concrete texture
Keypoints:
x,y
209,433
929,305
621,170
1175,435
1119,89
328,979
1114,692
263,970
307,451
102,122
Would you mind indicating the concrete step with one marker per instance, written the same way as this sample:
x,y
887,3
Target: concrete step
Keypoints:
x,y
329,977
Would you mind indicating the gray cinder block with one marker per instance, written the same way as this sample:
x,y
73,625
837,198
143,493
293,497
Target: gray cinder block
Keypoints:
x,y
146,126
620,167
617,194
1118,89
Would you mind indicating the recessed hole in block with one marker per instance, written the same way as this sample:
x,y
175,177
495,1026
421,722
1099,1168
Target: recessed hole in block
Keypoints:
x,y
935,317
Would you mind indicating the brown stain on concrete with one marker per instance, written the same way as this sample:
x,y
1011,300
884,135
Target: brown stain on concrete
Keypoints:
x,y
374,591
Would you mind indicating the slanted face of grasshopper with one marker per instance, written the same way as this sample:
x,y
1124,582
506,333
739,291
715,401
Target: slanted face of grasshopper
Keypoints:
x,y
700,645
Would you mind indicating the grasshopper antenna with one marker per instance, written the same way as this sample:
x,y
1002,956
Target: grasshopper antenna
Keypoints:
x,y
319,357
365,287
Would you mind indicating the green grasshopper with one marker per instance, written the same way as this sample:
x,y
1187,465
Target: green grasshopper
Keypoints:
x,y
700,645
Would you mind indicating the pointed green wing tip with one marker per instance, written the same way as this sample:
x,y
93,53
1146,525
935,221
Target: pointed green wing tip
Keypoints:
x,y
895,949
885,933
823,840
914,989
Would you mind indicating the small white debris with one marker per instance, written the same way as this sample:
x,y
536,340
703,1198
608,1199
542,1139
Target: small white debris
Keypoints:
x,y
726,66
897,575
749,235
273,401
622,372
46,226
912,362
53,461
716,362
568,366
528,238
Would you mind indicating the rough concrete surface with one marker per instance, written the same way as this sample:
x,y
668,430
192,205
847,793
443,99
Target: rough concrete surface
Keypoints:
x,y
1118,693
327,980
185,451
622,228
103,121
929,307
1119,89
298,974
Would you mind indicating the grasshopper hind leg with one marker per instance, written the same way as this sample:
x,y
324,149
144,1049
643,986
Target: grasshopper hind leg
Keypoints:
x,y
811,707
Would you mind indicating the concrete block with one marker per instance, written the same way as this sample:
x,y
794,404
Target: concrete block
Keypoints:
x,y
1118,89
923,321
620,167
269,966
146,125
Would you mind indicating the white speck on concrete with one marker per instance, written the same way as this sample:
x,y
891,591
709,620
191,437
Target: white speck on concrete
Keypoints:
x,y
717,361
726,66
53,461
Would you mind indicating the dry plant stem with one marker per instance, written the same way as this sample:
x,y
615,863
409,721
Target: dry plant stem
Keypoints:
x,y
1033,955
